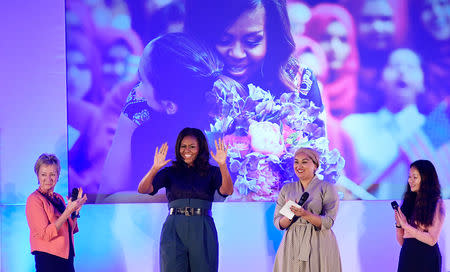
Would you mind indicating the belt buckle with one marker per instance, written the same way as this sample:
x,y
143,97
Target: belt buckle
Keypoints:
x,y
188,211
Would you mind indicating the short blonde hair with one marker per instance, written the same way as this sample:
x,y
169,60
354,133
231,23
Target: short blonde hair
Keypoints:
x,y
47,159
311,153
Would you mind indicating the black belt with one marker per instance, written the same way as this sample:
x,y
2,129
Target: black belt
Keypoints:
x,y
189,211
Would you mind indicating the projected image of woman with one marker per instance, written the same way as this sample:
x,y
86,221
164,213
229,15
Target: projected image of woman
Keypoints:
x,y
264,126
420,219
263,121
308,243
254,40
189,237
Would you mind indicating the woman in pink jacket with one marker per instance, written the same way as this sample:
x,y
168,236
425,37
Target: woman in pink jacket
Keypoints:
x,y
52,223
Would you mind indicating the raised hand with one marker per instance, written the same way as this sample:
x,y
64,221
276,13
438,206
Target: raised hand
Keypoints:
x,y
81,198
221,152
159,161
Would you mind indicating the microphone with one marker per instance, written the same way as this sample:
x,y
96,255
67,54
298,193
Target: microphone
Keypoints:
x,y
73,197
303,198
74,194
302,201
394,205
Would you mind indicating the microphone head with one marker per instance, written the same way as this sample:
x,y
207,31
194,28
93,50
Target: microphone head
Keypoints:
x,y
303,198
394,205
74,194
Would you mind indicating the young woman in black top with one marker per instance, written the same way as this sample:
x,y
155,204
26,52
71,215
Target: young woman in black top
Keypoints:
x,y
420,219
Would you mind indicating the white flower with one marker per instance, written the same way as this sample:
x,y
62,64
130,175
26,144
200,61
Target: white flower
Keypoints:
x,y
266,138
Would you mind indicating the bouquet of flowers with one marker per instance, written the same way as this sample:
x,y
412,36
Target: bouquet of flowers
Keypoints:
x,y
262,134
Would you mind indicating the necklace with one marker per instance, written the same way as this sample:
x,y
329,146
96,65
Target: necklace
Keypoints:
x,y
49,194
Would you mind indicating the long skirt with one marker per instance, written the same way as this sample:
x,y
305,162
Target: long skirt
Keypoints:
x,y
416,256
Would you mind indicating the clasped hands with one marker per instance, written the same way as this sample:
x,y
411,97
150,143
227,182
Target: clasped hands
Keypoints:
x,y
76,205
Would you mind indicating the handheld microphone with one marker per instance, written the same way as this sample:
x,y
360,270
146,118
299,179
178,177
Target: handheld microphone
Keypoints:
x,y
73,197
303,198
394,205
74,194
302,201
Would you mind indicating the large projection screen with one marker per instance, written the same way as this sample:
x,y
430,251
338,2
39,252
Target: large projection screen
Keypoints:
x,y
382,74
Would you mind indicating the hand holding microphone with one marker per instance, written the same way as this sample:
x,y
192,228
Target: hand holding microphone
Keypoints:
x,y
76,200
299,211
74,194
394,205
399,217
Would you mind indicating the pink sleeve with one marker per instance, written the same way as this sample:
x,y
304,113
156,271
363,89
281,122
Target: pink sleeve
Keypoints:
x,y
38,220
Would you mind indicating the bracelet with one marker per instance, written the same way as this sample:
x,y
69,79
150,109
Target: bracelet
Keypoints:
x,y
136,109
397,226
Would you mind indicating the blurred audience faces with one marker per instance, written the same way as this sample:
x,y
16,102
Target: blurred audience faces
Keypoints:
x,y
435,18
299,14
376,27
402,79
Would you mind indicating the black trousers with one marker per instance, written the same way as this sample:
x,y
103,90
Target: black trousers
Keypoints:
x,y
189,243
46,262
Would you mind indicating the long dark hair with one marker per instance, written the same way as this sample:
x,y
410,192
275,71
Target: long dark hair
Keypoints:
x,y
179,67
419,207
208,20
201,163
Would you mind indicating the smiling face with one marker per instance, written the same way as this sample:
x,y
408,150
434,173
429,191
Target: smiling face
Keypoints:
x,y
414,179
243,45
304,167
48,177
189,149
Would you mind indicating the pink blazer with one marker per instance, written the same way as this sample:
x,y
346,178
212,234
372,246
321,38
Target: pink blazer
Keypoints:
x,y
41,217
